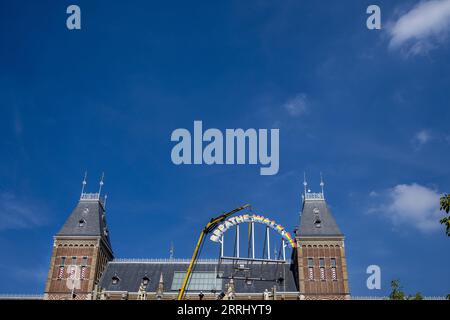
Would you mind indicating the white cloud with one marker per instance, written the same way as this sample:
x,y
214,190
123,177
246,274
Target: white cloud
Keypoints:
x,y
297,106
18,214
411,205
422,28
421,138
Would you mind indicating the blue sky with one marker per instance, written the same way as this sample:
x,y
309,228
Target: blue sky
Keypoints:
x,y
367,108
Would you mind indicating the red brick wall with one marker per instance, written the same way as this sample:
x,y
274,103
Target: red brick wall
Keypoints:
x,y
97,257
317,286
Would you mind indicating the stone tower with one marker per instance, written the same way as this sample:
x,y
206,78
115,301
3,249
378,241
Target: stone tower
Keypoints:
x,y
322,266
81,250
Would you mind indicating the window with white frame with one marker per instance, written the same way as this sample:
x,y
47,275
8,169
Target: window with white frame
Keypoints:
x,y
61,268
322,268
333,269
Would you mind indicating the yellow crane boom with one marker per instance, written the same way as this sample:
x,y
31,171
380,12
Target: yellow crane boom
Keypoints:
x,y
207,229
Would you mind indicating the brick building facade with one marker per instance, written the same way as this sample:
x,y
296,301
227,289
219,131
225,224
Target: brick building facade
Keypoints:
x,y
320,255
81,252
82,264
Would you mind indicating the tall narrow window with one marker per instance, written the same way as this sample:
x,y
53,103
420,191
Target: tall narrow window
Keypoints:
x,y
333,269
61,268
311,269
322,268
83,268
73,268
61,272
83,272
72,272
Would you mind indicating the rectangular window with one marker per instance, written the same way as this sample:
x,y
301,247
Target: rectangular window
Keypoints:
x,y
199,281
63,261
333,269
322,262
322,268
73,272
333,262
84,262
83,273
310,269
74,260
60,272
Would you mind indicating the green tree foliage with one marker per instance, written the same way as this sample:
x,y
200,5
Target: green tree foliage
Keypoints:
x,y
417,296
445,206
398,294
396,291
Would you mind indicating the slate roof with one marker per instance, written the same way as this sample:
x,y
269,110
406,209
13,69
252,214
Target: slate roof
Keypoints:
x,y
131,273
313,211
93,215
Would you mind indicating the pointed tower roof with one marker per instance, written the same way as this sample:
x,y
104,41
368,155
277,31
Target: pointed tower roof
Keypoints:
x,y
88,218
316,218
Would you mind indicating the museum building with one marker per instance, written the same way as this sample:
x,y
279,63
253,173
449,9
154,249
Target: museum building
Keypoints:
x,y
83,265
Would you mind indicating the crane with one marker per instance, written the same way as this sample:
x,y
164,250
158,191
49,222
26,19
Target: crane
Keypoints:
x,y
211,225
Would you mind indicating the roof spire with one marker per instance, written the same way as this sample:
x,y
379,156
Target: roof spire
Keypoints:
x,y
83,183
101,185
322,184
160,288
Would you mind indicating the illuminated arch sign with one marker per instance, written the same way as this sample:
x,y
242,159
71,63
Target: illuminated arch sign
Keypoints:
x,y
233,221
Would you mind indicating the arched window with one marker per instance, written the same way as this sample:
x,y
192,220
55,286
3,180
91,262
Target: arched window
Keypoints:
x,y
81,223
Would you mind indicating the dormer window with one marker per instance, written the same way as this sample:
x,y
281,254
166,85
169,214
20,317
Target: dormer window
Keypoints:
x,y
318,223
81,223
145,280
105,231
115,279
